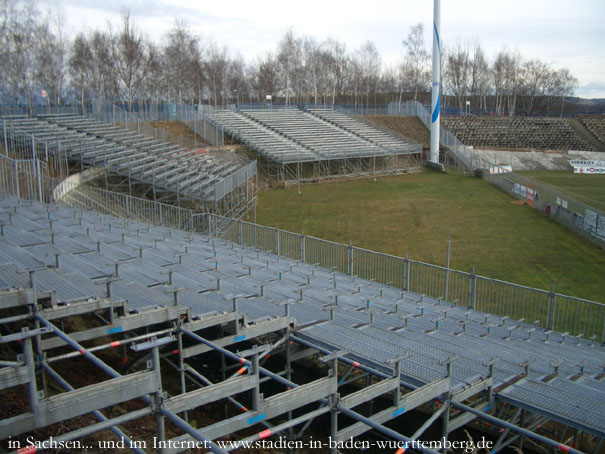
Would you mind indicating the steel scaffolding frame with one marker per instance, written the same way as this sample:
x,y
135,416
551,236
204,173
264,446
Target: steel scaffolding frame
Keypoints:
x,y
152,331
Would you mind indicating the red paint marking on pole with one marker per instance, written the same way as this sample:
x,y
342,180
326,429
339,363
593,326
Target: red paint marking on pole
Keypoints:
x,y
242,408
115,344
175,352
264,434
242,360
28,450
81,351
268,356
242,370
400,451
564,448
125,360
355,364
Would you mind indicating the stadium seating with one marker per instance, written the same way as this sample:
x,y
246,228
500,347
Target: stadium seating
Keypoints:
x,y
126,153
596,125
291,135
70,250
517,132
272,145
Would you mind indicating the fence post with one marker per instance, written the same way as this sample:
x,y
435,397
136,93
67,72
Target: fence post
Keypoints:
x,y
406,273
255,226
447,273
302,247
4,133
472,289
17,180
240,233
350,259
39,180
277,240
550,314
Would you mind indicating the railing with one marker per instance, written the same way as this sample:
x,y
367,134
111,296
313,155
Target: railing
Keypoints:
x,y
28,179
545,309
462,157
582,219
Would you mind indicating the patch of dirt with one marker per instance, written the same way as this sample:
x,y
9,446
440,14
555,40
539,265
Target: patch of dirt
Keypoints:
x,y
410,127
177,128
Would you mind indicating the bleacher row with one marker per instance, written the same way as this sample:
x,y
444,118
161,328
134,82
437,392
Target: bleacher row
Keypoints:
x,y
126,153
72,251
527,133
596,126
291,135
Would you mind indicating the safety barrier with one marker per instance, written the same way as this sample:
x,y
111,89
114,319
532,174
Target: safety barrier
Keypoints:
x,y
545,309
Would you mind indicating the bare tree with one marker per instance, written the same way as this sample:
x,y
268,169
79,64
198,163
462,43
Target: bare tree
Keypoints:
x,y
264,76
217,67
479,77
130,58
236,79
335,67
416,61
81,66
457,74
181,54
104,75
289,59
564,85
18,27
369,64
506,76
534,78
51,55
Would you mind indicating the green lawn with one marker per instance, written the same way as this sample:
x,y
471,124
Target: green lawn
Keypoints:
x,y
589,189
416,213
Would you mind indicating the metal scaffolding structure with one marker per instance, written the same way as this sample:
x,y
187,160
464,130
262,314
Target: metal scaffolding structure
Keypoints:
x,y
171,301
128,162
317,144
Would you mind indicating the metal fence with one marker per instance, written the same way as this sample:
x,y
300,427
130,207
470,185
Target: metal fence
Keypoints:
x,y
577,216
28,179
458,155
545,309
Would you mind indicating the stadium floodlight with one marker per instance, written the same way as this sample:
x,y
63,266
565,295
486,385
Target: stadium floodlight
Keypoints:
x,y
436,88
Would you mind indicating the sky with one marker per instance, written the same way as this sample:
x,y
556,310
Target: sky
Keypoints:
x,y
563,33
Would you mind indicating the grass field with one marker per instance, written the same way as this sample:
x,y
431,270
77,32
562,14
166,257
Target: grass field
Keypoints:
x,y
589,189
416,213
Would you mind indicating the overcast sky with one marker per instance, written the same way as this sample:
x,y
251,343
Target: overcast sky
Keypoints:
x,y
564,33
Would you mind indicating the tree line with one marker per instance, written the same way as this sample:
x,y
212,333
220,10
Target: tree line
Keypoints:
x,y
120,64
